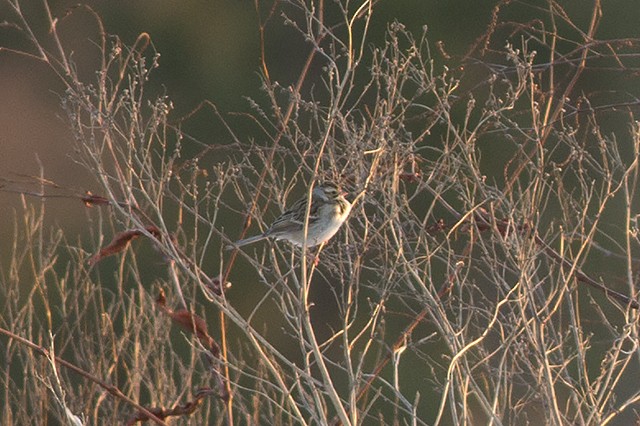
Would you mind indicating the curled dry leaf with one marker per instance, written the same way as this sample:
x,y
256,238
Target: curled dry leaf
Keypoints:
x,y
185,409
410,177
120,242
195,324
91,200
190,322
161,300
215,285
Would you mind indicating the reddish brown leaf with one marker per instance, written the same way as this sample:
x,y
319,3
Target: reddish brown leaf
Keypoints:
x,y
410,177
195,324
183,410
161,300
91,200
215,285
120,243
190,322
153,230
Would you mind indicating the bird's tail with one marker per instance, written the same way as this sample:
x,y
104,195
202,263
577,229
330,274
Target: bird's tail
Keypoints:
x,y
246,241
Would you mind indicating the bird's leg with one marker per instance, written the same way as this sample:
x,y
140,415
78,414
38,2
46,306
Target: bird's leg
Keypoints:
x,y
314,258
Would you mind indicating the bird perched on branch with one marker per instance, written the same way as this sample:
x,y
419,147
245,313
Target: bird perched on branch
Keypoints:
x,y
329,210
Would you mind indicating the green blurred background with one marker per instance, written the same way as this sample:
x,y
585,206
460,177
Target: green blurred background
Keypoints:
x,y
210,51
